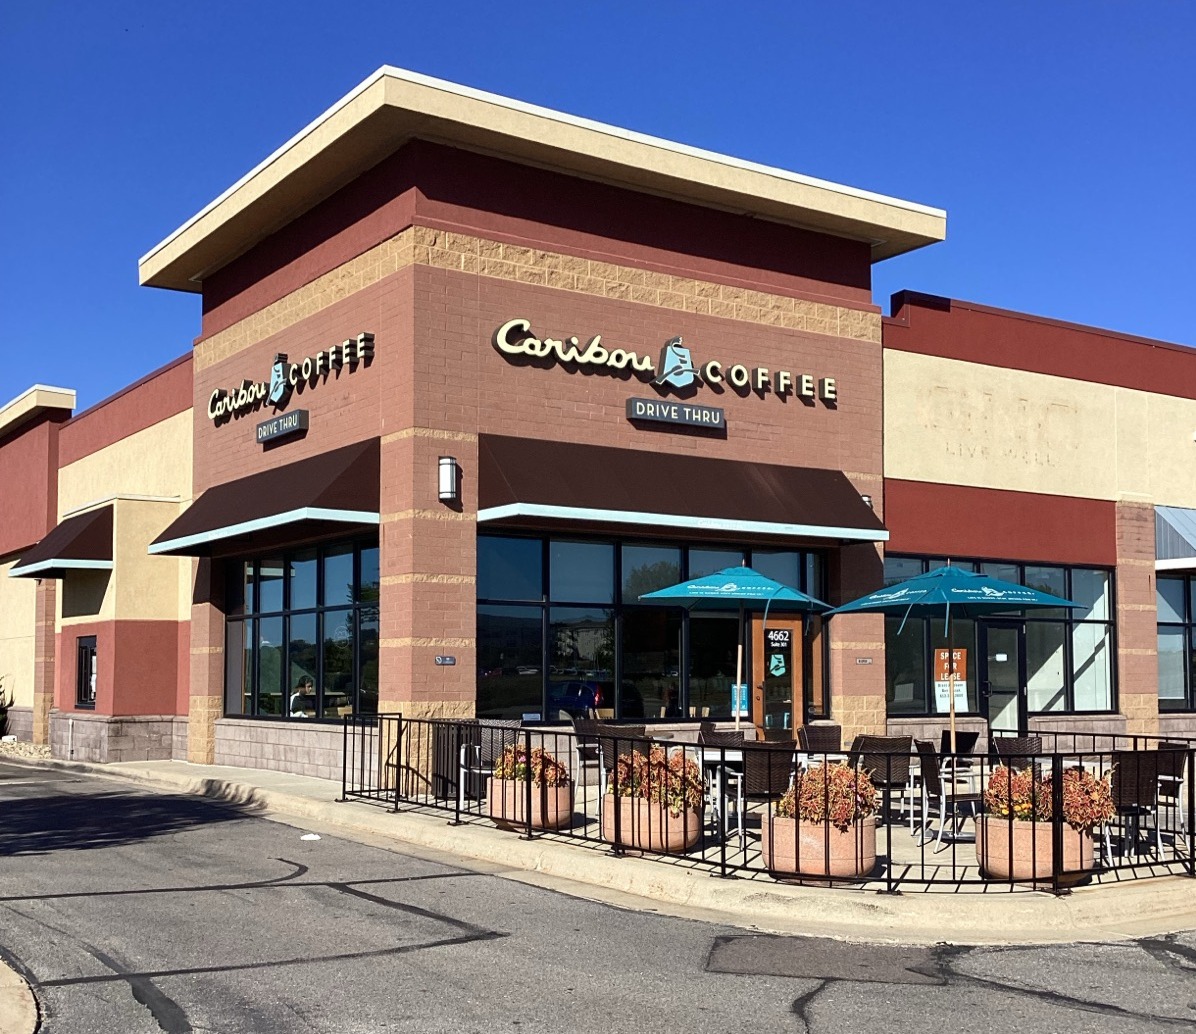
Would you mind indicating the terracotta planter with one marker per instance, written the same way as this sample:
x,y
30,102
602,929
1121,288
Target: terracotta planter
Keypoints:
x,y
1031,855
647,825
552,806
817,849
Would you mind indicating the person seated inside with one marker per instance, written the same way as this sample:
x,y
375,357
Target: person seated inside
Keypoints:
x,y
303,700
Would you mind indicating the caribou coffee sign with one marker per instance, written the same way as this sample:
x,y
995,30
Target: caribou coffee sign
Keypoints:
x,y
287,377
676,369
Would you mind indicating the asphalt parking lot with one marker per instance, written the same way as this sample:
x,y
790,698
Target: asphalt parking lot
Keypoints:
x,y
136,911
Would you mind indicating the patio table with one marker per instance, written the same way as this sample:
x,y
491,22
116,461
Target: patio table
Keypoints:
x,y
718,763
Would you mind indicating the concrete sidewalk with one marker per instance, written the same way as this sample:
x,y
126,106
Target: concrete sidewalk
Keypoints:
x,y
18,1010
1104,912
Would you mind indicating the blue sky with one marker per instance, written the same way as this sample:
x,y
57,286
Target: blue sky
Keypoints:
x,y
1060,137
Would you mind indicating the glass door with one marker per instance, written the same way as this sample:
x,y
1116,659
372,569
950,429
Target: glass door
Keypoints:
x,y
1003,677
777,677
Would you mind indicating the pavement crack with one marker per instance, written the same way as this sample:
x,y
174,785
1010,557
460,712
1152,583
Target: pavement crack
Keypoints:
x,y
1170,952
801,1004
1056,998
170,1017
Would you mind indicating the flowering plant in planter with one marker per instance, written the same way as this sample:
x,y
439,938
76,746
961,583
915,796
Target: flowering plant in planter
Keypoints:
x,y
1022,795
545,769
509,791
838,794
672,780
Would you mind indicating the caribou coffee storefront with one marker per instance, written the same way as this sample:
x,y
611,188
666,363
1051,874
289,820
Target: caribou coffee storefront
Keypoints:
x,y
498,373
472,377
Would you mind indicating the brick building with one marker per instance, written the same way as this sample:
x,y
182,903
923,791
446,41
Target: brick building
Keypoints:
x,y
472,376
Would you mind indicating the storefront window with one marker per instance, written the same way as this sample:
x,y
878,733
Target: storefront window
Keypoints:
x,y
648,568
1068,655
1176,602
585,647
301,635
510,656
713,646
582,572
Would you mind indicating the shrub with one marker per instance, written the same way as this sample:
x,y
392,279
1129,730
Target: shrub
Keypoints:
x,y
1024,796
673,780
546,770
838,794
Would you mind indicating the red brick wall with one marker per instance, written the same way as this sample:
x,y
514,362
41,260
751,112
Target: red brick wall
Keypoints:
x,y
466,384
443,188
137,666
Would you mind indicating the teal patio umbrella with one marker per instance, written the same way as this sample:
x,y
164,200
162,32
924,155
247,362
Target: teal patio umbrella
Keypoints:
x,y
741,587
948,590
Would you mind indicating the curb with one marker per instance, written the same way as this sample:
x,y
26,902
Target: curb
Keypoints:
x,y
1145,907
18,1007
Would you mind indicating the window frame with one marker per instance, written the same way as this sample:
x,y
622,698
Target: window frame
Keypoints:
x,y
1068,621
249,618
810,561
1187,626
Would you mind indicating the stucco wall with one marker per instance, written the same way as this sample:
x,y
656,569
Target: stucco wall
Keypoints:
x,y
18,617
961,423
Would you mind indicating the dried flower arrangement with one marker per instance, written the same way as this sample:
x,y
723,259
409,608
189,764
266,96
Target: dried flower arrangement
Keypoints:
x,y
672,780
1022,795
545,769
838,794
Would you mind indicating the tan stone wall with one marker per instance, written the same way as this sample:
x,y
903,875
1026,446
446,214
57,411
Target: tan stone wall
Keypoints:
x,y
468,254
18,618
1137,619
958,423
45,659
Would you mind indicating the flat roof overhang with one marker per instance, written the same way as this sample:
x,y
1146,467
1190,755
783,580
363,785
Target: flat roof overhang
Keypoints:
x,y
79,543
394,106
32,403
533,483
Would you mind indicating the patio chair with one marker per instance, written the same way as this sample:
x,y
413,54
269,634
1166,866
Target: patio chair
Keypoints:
x,y
767,774
886,759
942,793
1136,797
585,744
1016,751
965,743
821,738
726,781
487,740
614,740
1173,764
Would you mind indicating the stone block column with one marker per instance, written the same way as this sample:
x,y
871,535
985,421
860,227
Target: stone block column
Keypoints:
x,y
44,658
207,665
857,689
1137,618
429,552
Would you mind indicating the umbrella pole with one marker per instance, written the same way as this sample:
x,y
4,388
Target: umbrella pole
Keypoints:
x,y
951,675
738,669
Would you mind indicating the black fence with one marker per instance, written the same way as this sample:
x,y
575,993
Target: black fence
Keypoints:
x,y
1046,812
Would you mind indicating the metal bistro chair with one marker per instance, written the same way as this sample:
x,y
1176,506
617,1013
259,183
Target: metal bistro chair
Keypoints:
x,y
822,738
1173,763
1136,796
886,759
726,781
614,740
767,774
585,744
1016,751
941,791
489,737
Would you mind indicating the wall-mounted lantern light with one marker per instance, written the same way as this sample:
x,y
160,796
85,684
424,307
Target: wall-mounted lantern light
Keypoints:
x,y
450,480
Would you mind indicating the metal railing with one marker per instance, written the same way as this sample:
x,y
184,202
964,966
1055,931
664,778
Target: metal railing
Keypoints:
x,y
935,822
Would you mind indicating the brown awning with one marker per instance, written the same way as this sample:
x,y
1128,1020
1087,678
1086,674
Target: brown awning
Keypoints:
x,y
79,543
521,480
305,499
